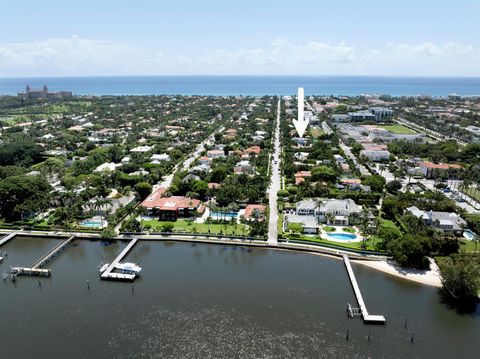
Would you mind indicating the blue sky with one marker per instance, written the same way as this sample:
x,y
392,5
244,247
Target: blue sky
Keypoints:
x,y
144,37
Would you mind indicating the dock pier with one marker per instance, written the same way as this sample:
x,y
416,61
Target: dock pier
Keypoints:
x,y
37,268
108,273
8,237
367,318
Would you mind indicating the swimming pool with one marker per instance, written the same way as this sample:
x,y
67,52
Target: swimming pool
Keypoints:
x,y
342,236
91,224
223,215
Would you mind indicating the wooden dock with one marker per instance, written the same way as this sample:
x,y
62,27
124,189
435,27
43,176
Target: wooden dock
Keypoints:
x,y
53,253
108,273
36,269
8,237
368,318
37,272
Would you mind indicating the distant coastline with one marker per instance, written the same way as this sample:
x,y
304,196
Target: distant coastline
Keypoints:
x,y
251,85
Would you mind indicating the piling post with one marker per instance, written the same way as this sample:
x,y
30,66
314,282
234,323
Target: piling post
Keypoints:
x,y
412,338
348,334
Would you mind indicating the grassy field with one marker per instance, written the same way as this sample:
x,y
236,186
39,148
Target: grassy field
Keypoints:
x,y
316,132
188,226
398,129
468,246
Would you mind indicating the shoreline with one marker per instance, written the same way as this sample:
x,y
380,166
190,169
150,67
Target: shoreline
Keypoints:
x,y
429,277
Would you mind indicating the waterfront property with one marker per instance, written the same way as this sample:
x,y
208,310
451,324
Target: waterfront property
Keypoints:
x,y
173,207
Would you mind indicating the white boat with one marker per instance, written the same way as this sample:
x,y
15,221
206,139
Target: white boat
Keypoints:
x,y
128,268
1,259
103,268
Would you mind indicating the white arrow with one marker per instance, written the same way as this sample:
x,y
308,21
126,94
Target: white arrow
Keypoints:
x,y
300,124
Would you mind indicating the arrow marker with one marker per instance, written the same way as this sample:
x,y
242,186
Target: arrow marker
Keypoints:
x,y
300,124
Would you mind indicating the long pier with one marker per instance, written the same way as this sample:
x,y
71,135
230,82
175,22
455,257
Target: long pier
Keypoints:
x,y
8,237
36,269
368,318
108,273
53,253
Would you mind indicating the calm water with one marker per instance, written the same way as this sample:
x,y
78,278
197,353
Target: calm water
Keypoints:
x,y
200,301
248,85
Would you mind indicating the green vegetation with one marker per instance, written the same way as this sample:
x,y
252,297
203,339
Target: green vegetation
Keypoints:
x,y
461,276
316,132
348,229
398,129
328,229
189,226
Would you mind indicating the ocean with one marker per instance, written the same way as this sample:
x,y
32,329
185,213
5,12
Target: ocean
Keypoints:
x,y
249,85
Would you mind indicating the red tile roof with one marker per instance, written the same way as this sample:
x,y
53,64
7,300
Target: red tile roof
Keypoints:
x,y
249,210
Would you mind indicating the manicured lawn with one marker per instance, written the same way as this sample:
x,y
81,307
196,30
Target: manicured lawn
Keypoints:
x,y
316,132
468,246
187,226
399,129
355,245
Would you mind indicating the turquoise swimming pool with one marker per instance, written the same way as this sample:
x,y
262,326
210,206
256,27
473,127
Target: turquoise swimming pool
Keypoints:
x,y
223,215
91,224
342,236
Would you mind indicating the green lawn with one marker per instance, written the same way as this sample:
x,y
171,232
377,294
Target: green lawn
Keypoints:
x,y
354,245
468,246
188,226
398,129
280,224
316,132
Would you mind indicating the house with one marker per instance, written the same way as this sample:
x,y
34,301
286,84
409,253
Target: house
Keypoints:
x,y
330,211
173,207
301,175
231,133
432,170
309,223
205,161
161,157
375,155
214,185
107,167
253,150
446,221
141,149
244,167
337,211
192,177
216,154
254,212
306,207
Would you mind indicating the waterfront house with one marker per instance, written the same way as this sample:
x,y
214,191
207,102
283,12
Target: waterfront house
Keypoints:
x,y
173,207
445,221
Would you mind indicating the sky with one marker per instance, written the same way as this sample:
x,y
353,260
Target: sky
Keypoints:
x,y
261,37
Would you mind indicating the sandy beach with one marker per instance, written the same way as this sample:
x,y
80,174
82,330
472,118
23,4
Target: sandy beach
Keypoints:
x,y
428,277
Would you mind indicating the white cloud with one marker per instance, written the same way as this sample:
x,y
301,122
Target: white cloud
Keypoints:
x,y
79,56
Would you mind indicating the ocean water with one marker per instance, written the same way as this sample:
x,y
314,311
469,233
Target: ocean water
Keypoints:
x,y
249,85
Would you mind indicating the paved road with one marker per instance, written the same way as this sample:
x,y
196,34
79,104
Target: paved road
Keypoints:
x,y
274,184
363,170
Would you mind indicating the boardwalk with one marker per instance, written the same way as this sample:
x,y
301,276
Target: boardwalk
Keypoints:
x,y
379,319
108,273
